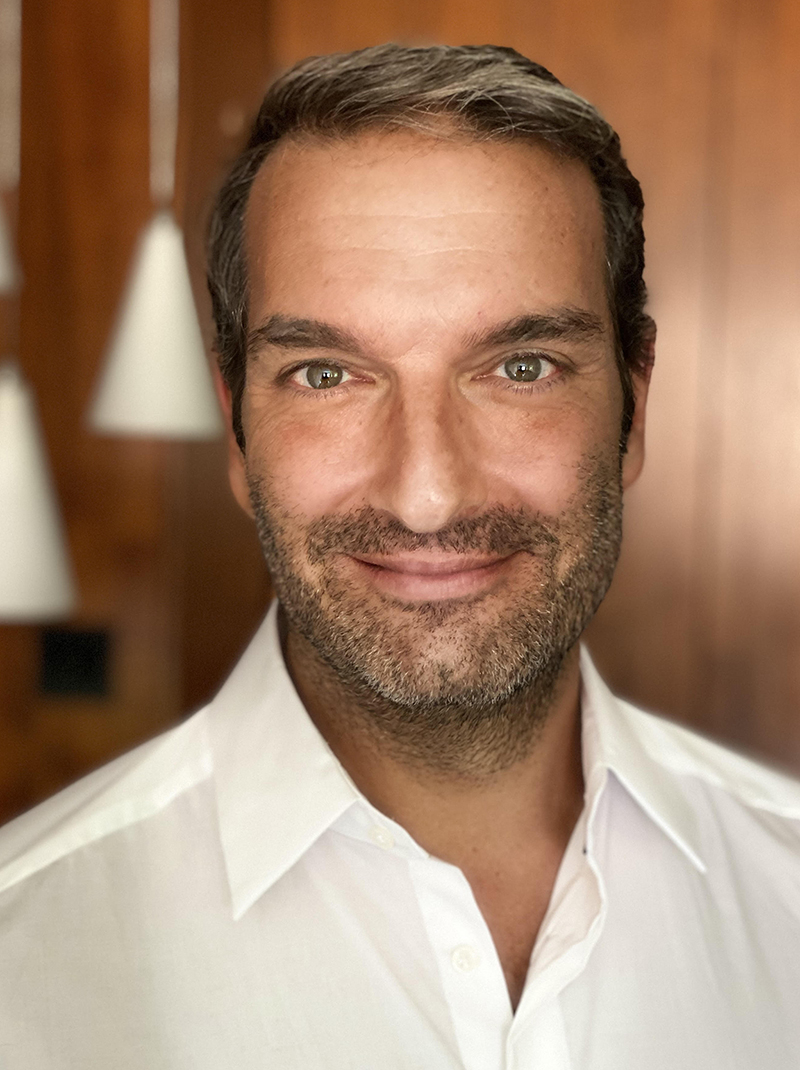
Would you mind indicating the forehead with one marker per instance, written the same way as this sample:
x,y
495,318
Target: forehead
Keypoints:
x,y
409,217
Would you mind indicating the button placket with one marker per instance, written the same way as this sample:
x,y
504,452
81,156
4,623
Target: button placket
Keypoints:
x,y
472,978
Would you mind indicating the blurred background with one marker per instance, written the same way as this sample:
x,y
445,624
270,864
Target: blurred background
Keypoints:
x,y
703,620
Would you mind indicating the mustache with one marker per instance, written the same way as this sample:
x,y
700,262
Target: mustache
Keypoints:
x,y
498,531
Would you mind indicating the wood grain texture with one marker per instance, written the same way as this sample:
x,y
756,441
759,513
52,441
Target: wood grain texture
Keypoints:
x,y
82,198
160,550
227,64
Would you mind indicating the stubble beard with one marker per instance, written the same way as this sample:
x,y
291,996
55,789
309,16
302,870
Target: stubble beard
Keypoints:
x,y
460,687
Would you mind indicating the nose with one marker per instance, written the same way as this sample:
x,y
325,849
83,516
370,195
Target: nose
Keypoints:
x,y
429,473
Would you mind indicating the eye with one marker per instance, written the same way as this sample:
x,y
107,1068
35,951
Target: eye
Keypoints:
x,y
321,375
526,368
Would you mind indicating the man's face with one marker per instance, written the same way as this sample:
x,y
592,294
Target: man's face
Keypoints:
x,y
432,409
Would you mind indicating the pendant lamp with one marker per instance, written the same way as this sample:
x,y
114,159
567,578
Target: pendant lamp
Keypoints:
x,y
10,21
35,577
156,381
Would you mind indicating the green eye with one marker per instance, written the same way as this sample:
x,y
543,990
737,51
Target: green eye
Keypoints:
x,y
524,369
322,376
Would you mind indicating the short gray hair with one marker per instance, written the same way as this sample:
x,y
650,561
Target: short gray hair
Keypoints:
x,y
482,92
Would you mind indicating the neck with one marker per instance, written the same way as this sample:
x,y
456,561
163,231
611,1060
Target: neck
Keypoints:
x,y
473,791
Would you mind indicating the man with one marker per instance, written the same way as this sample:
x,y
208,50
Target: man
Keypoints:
x,y
414,829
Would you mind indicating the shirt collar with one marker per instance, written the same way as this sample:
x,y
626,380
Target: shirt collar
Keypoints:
x,y
279,786
621,738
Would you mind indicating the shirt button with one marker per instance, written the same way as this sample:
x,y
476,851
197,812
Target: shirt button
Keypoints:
x,y
383,837
465,958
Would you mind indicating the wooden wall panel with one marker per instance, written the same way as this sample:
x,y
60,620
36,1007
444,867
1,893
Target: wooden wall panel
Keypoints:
x,y
83,195
165,563
747,649
227,63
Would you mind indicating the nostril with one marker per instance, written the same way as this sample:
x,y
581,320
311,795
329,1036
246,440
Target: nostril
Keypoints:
x,y
426,474
428,489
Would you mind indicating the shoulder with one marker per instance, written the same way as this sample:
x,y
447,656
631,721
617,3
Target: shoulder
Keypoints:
x,y
687,753
739,815
129,789
721,807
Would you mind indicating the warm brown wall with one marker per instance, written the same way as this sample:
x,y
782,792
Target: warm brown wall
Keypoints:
x,y
164,559
703,621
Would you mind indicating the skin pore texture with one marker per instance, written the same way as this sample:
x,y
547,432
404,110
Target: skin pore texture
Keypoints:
x,y
432,416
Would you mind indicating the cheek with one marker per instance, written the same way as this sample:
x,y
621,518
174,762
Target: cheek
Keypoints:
x,y
313,464
536,459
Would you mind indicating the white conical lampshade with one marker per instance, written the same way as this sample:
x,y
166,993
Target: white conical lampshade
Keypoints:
x,y
35,577
157,381
9,271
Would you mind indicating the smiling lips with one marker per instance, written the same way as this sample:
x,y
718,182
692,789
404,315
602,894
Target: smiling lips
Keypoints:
x,y
427,577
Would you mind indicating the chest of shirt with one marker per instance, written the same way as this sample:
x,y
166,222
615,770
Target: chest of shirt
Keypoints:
x,y
125,954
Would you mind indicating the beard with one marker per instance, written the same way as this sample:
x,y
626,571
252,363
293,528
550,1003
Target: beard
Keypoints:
x,y
459,686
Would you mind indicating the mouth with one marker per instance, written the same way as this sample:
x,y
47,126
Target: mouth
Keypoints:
x,y
425,577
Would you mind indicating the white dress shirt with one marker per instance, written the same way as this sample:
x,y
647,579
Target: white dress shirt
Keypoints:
x,y
223,898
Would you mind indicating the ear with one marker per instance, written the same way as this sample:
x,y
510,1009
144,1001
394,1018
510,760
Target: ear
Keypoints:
x,y
633,460
236,468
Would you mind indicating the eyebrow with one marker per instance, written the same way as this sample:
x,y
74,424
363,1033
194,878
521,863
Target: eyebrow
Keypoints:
x,y
572,324
288,332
